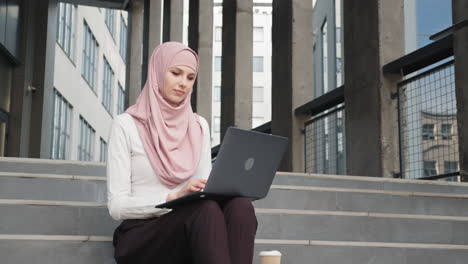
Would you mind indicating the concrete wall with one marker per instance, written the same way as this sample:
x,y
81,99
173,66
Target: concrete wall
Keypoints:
x,y
371,113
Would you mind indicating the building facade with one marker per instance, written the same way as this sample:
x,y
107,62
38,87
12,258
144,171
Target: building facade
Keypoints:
x,y
89,80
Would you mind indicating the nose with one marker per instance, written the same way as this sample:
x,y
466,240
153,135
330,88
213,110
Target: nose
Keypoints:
x,y
183,82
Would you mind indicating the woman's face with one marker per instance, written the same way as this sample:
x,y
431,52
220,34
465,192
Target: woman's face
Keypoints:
x,y
178,83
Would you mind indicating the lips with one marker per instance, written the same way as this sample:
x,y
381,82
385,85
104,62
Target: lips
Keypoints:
x,y
178,92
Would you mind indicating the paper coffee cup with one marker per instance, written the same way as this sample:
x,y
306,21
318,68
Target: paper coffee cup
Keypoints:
x,y
270,257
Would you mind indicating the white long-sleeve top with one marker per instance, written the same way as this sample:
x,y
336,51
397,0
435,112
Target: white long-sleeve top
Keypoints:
x,y
133,188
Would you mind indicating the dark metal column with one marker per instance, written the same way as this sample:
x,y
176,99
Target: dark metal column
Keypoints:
x,y
135,71
201,40
236,75
45,30
460,13
281,74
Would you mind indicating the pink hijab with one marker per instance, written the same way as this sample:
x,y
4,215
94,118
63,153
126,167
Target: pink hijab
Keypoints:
x,y
172,136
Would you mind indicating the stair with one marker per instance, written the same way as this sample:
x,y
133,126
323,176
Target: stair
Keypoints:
x,y
55,212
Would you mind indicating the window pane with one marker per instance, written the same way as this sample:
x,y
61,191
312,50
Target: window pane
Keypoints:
x,y
430,168
217,93
218,63
258,94
217,124
338,47
325,57
257,64
450,166
218,33
258,34
446,131
428,131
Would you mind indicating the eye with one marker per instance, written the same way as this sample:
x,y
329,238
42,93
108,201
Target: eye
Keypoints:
x,y
175,73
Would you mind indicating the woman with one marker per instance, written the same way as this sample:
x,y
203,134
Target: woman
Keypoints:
x,y
160,150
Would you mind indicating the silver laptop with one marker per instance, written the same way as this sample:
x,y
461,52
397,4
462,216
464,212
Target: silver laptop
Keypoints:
x,y
245,166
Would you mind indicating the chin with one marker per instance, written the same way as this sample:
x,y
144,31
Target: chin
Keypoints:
x,y
175,102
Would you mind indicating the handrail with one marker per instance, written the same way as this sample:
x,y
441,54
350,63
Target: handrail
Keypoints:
x,y
421,58
449,30
322,103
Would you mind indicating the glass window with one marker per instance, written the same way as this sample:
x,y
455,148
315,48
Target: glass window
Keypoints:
x,y
65,33
217,124
123,39
218,34
446,131
218,63
89,56
432,17
258,94
257,64
109,20
428,131
86,146
217,93
338,46
121,100
430,168
107,83
61,127
103,156
450,166
325,57
258,35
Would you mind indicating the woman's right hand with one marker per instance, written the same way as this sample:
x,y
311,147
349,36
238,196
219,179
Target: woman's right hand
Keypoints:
x,y
191,186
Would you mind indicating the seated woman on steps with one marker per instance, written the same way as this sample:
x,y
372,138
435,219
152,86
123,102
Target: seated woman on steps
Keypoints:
x,y
160,150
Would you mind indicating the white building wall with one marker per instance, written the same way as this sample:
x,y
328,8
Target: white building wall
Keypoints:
x,y
70,83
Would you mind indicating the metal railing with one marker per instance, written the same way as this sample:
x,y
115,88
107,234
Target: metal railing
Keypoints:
x,y
428,124
427,110
324,133
325,143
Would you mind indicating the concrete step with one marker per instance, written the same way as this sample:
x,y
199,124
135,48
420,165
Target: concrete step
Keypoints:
x,y
52,187
72,250
364,200
373,183
361,227
47,166
273,224
56,252
93,189
90,219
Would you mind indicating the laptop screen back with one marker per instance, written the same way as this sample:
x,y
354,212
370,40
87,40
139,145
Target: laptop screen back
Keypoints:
x,y
246,163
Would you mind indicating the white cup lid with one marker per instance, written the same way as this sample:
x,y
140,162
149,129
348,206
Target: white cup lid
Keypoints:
x,y
273,253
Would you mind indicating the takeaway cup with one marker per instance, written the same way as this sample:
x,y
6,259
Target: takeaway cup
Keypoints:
x,y
270,257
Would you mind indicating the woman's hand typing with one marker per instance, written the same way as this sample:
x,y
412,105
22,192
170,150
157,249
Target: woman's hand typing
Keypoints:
x,y
191,186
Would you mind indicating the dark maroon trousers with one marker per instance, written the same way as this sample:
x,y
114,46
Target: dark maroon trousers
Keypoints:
x,y
203,232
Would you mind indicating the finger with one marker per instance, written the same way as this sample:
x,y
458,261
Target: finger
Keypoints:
x,y
194,189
